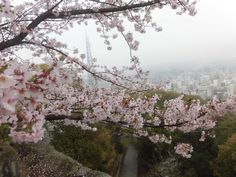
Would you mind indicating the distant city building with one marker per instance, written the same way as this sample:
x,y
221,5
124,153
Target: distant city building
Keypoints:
x,y
90,78
207,83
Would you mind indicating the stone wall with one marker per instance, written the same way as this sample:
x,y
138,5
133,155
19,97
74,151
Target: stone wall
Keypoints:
x,y
40,160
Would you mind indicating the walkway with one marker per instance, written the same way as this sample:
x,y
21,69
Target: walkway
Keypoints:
x,y
130,164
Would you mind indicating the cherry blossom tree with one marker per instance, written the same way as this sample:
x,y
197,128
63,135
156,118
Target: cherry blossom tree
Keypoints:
x,y
31,94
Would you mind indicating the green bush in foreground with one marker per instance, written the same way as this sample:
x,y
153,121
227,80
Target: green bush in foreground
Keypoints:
x,y
225,163
4,131
96,150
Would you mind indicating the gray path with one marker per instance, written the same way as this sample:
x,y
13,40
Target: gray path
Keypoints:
x,y
130,164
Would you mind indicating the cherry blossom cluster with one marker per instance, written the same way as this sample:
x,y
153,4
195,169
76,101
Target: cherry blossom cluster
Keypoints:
x,y
28,92
160,139
184,149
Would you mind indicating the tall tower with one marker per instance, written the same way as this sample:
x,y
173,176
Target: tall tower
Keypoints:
x,y
90,78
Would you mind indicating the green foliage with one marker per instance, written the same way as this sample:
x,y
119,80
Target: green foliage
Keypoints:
x,y
44,67
205,152
4,132
3,68
96,150
225,163
202,155
151,154
226,126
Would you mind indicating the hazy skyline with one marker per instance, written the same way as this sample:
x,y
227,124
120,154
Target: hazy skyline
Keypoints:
x,y
208,36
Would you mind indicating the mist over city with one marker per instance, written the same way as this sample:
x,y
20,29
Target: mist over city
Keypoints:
x,y
208,38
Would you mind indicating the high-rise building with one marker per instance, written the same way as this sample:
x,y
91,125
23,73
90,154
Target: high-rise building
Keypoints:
x,y
91,80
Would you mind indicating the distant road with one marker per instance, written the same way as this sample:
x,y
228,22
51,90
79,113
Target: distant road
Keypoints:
x,y
130,164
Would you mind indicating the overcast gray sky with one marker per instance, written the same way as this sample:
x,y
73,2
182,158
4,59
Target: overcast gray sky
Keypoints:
x,y
208,36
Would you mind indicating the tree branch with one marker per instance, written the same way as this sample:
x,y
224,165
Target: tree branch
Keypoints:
x,y
96,75
17,39
79,116
64,14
